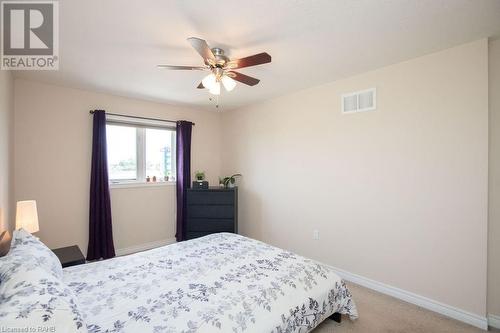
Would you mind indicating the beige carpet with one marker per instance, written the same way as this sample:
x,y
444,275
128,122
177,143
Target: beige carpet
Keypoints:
x,y
381,313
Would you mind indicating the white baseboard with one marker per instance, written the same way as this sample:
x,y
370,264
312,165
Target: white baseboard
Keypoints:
x,y
424,302
494,321
144,247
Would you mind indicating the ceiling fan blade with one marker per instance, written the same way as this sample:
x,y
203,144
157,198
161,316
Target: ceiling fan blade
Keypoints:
x,y
189,68
201,46
254,60
201,86
248,80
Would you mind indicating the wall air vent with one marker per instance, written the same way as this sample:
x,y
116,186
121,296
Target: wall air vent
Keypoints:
x,y
359,101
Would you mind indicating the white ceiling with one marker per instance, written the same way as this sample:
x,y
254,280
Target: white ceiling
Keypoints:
x,y
113,45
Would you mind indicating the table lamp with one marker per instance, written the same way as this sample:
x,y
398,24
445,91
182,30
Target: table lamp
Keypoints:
x,y
27,216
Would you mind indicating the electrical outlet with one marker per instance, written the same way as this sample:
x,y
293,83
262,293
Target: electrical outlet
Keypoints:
x,y
315,234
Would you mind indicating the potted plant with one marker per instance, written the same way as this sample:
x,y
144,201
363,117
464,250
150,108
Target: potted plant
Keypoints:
x,y
229,182
199,175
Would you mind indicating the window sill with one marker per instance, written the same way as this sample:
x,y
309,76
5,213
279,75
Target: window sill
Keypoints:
x,y
132,185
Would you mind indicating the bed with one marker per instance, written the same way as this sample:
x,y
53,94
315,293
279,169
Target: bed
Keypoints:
x,y
218,283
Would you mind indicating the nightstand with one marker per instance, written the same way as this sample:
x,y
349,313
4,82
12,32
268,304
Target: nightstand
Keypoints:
x,y
69,256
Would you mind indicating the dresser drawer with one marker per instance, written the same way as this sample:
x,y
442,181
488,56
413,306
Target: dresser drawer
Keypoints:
x,y
210,211
213,225
210,198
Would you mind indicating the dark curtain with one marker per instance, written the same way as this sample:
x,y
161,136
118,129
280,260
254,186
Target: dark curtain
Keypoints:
x,y
183,154
100,230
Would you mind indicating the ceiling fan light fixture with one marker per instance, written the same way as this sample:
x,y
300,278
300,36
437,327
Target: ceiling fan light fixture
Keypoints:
x,y
228,83
215,89
209,81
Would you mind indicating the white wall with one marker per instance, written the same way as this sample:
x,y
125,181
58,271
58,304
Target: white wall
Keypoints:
x,y
6,124
399,195
53,133
494,181
143,215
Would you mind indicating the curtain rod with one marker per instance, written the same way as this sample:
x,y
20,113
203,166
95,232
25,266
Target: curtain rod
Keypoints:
x,y
136,117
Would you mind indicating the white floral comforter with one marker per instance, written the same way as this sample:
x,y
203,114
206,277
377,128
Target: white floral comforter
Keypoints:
x,y
217,283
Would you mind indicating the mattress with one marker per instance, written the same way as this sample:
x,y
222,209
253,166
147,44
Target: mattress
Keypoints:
x,y
217,283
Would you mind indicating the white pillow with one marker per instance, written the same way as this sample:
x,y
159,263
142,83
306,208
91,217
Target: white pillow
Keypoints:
x,y
29,250
33,298
32,294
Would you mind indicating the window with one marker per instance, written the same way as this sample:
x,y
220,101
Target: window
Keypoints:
x,y
122,152
140,151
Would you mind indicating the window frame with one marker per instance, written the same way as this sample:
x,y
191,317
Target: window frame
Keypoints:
x,y
140,126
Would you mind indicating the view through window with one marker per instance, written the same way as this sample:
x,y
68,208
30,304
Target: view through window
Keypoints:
x,y
140,154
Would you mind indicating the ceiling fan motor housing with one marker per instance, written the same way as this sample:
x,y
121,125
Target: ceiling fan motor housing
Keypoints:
x,y
220,58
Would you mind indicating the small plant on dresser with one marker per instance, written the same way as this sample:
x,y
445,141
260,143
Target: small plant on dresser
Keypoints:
x,y
230,181
199,175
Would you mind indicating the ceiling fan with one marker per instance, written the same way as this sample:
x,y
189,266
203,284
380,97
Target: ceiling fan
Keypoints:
x,y
221,67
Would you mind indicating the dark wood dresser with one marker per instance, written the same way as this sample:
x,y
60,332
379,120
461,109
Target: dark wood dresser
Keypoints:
x,y
211,211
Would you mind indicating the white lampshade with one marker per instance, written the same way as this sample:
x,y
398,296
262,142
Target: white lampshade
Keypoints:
x,y
228,83
27,216
209,81
215,90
